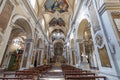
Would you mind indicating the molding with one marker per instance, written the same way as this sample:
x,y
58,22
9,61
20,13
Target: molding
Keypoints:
x,y
108,6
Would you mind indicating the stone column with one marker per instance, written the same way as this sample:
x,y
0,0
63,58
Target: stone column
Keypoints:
x,y
25,62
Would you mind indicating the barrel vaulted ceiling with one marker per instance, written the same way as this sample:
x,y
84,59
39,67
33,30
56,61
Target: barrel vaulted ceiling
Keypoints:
x,y
56,14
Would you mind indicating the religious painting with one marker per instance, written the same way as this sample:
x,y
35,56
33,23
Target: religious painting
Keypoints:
x,y
56,5
5,15
59,22
105,61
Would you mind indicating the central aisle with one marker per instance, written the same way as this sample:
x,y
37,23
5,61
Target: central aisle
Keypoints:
x,y
55,73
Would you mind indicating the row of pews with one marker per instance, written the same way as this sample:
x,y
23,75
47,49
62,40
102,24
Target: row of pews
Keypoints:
x,y
27,74
73,73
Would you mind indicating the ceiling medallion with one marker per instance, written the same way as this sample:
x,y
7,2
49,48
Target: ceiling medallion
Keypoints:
x,y
99,40
56,5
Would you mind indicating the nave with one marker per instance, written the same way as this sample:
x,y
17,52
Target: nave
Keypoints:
x,y
40,37
50,72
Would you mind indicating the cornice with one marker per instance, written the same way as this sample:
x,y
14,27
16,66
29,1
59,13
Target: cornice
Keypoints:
x,y
109,6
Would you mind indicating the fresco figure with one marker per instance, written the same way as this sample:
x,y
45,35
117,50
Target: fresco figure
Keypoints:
x,y
56,5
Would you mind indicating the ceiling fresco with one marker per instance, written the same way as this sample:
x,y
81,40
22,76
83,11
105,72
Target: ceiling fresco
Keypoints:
x,y
56,15
58,21
56,5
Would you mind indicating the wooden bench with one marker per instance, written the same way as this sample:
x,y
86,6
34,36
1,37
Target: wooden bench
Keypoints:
x,y
85,77
30,74
16,78
21,74
8,73
78,74
27,73
72,73
6,78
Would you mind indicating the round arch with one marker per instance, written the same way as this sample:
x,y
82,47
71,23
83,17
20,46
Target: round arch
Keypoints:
x,y
84,23
21,30
21,20
86,45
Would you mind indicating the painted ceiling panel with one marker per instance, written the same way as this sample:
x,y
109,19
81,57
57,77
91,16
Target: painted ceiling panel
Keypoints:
x,y
56,5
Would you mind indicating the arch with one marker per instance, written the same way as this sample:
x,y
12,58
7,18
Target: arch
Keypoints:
x,y
51,30
81,28
21,30
17,19
86,46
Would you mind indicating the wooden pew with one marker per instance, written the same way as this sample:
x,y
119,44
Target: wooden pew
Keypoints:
x,y
85,77
6,78
16,78
30,74
8,74
20,75
72,73
78,74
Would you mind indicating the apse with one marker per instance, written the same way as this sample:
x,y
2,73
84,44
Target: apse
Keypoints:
x,y
58,48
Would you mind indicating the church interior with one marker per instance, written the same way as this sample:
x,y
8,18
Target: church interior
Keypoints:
x,y
59,39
